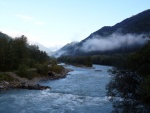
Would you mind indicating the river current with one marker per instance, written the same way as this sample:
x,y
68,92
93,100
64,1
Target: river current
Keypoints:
x,y
82,91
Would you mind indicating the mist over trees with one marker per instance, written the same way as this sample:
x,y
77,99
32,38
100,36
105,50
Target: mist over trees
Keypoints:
x,y
123,37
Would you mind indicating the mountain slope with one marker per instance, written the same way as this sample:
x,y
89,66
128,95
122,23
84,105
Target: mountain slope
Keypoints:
x,y
3,35
124,36
68,49
42,47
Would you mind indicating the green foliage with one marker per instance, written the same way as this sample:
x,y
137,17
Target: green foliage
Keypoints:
x,y
22,71
14,52
56,68
140,61
132,83
129,86
145,90
42,69
79,60
5,77
29,74
37,56
53,61
113,60
118,60
17,55
39,71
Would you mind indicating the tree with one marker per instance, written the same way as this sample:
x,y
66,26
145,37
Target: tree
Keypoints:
x,y
132,83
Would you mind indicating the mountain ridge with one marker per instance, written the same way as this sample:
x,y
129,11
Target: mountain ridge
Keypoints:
x,y
124,23
137,25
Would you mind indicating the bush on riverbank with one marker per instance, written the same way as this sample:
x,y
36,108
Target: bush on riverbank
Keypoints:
x,y
56,68
43,69
131,82
29,74
5,77
40,70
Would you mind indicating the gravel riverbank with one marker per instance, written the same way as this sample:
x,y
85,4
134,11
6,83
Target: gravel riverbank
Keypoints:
x,y
24,83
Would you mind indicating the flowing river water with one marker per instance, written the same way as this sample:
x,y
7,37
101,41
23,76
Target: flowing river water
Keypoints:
x,y
82,91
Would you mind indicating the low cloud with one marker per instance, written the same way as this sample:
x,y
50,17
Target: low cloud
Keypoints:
x,y
115,41
59,53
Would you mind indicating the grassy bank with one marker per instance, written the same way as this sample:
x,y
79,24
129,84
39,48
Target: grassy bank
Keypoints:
x,y
30,77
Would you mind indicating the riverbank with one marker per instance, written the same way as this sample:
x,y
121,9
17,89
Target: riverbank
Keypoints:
x,y
82,91
14,81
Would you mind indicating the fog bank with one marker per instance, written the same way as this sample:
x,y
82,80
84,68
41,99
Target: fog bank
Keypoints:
x,y
115,41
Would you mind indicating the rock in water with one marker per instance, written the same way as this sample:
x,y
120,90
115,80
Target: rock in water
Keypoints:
x,y
34,87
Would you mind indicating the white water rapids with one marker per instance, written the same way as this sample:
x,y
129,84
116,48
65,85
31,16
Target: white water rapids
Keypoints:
x,y
82,91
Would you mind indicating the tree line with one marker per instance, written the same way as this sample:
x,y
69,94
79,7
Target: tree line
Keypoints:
x,y
17,52
131,82
113,60
76,60
130,78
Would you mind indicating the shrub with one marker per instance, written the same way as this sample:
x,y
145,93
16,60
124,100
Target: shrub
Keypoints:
x,y
22,70
5,77
56,68
42,69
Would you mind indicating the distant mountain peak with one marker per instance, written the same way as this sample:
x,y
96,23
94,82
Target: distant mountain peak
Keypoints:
x,y
72,43
41,47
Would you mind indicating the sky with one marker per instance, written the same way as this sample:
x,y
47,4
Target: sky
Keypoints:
x,y
54,23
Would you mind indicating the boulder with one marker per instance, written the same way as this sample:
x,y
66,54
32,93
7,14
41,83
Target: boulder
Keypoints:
x,y
51,73
34,87
1,87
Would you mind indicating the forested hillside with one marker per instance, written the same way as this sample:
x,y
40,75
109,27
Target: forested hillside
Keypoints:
x,y
16,53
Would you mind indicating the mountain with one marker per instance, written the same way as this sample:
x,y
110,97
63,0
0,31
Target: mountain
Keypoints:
x,y
67,49
125,36
42,47
3,35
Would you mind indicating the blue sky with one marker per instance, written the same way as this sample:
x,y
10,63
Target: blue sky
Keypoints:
x,y
53,23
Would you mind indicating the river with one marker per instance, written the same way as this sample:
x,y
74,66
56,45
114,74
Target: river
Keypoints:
x,y
82,91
